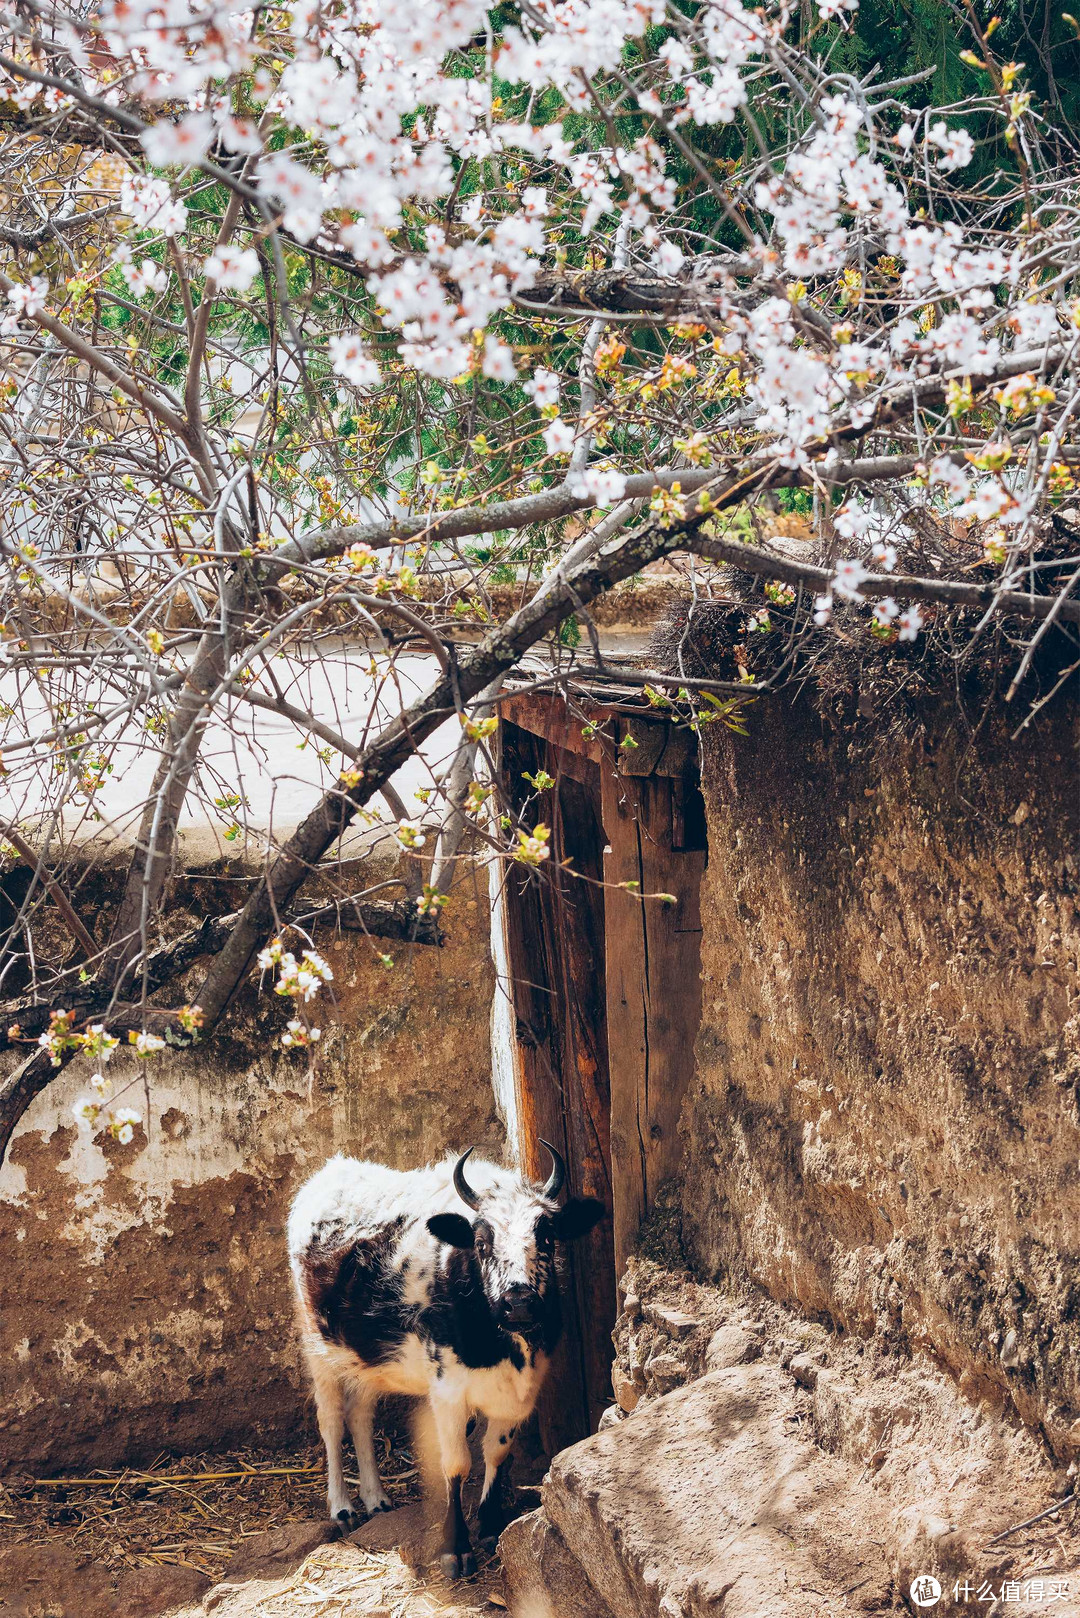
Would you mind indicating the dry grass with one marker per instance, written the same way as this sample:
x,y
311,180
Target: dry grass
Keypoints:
x,y
193,1512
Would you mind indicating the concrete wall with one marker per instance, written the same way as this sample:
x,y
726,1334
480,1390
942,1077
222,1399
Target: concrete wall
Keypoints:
x,y
884,1129
144,1301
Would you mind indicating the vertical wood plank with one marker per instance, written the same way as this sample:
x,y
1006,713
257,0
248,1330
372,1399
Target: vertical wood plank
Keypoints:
x,y
653,966
555,945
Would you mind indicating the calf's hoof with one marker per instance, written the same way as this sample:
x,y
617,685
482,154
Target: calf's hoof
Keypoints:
x,y
453,1565
348,1518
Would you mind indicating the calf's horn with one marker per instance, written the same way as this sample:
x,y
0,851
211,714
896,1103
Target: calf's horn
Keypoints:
x,y
558,1172
461,1184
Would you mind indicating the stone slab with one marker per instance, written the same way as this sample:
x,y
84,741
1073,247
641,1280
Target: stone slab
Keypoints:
x,y
709,1501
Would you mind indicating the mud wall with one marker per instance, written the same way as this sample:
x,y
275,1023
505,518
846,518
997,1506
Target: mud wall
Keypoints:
x,y
885,1112
144,1299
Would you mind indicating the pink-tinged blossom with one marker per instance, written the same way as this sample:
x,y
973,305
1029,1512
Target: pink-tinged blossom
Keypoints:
x,y
835,8
559,437
883,554
718,102
28,297
852,521
543,388
962,341
239,134
909,623
823,608
850,573
232,269
601,484
986,501
679,61
367,244
444,360
148,201
956,145
668,258
945,472
885,611
1035,322
146,276
296,189
186,141
351,362
498,361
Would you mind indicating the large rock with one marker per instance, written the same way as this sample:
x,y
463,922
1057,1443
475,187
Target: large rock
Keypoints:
x,y
279,1550
408,1529
709,1500
731,1345
543,1579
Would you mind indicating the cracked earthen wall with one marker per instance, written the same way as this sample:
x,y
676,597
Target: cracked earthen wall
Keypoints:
x,y
885,1110
144,1300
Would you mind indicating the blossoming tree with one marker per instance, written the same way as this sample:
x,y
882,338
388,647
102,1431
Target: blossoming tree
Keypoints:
x,y
314,311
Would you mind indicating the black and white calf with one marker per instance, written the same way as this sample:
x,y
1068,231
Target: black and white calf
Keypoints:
x,y
436,1285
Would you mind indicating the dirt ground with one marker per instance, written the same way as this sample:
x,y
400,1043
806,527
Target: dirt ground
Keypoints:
x,y
241,1535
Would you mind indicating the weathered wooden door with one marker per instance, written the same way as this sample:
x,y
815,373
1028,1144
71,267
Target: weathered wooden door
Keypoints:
x,y
607,999
555,945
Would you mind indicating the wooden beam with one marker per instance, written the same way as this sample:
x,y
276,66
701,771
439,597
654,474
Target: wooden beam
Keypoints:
x,y
653,966
644,743
546,714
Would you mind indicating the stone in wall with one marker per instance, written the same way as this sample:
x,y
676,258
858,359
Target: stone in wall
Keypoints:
x,y
144,1296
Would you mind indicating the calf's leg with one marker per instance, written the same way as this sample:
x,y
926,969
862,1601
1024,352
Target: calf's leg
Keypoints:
x,y
491,1518
359,1412
451,1417
330,1407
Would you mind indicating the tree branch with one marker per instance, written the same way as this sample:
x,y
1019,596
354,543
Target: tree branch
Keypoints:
x,y
53,889
25,241
398,921
765,564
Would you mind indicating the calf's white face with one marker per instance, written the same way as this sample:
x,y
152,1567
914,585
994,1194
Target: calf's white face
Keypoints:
x,y
512,1239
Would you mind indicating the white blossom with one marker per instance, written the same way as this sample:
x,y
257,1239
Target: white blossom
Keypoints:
x,y
351,362
909,623
232,269
559,437
849,574
543,388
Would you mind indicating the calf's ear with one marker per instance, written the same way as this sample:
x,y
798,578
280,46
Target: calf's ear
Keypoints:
x,y
577,1217
452,1229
